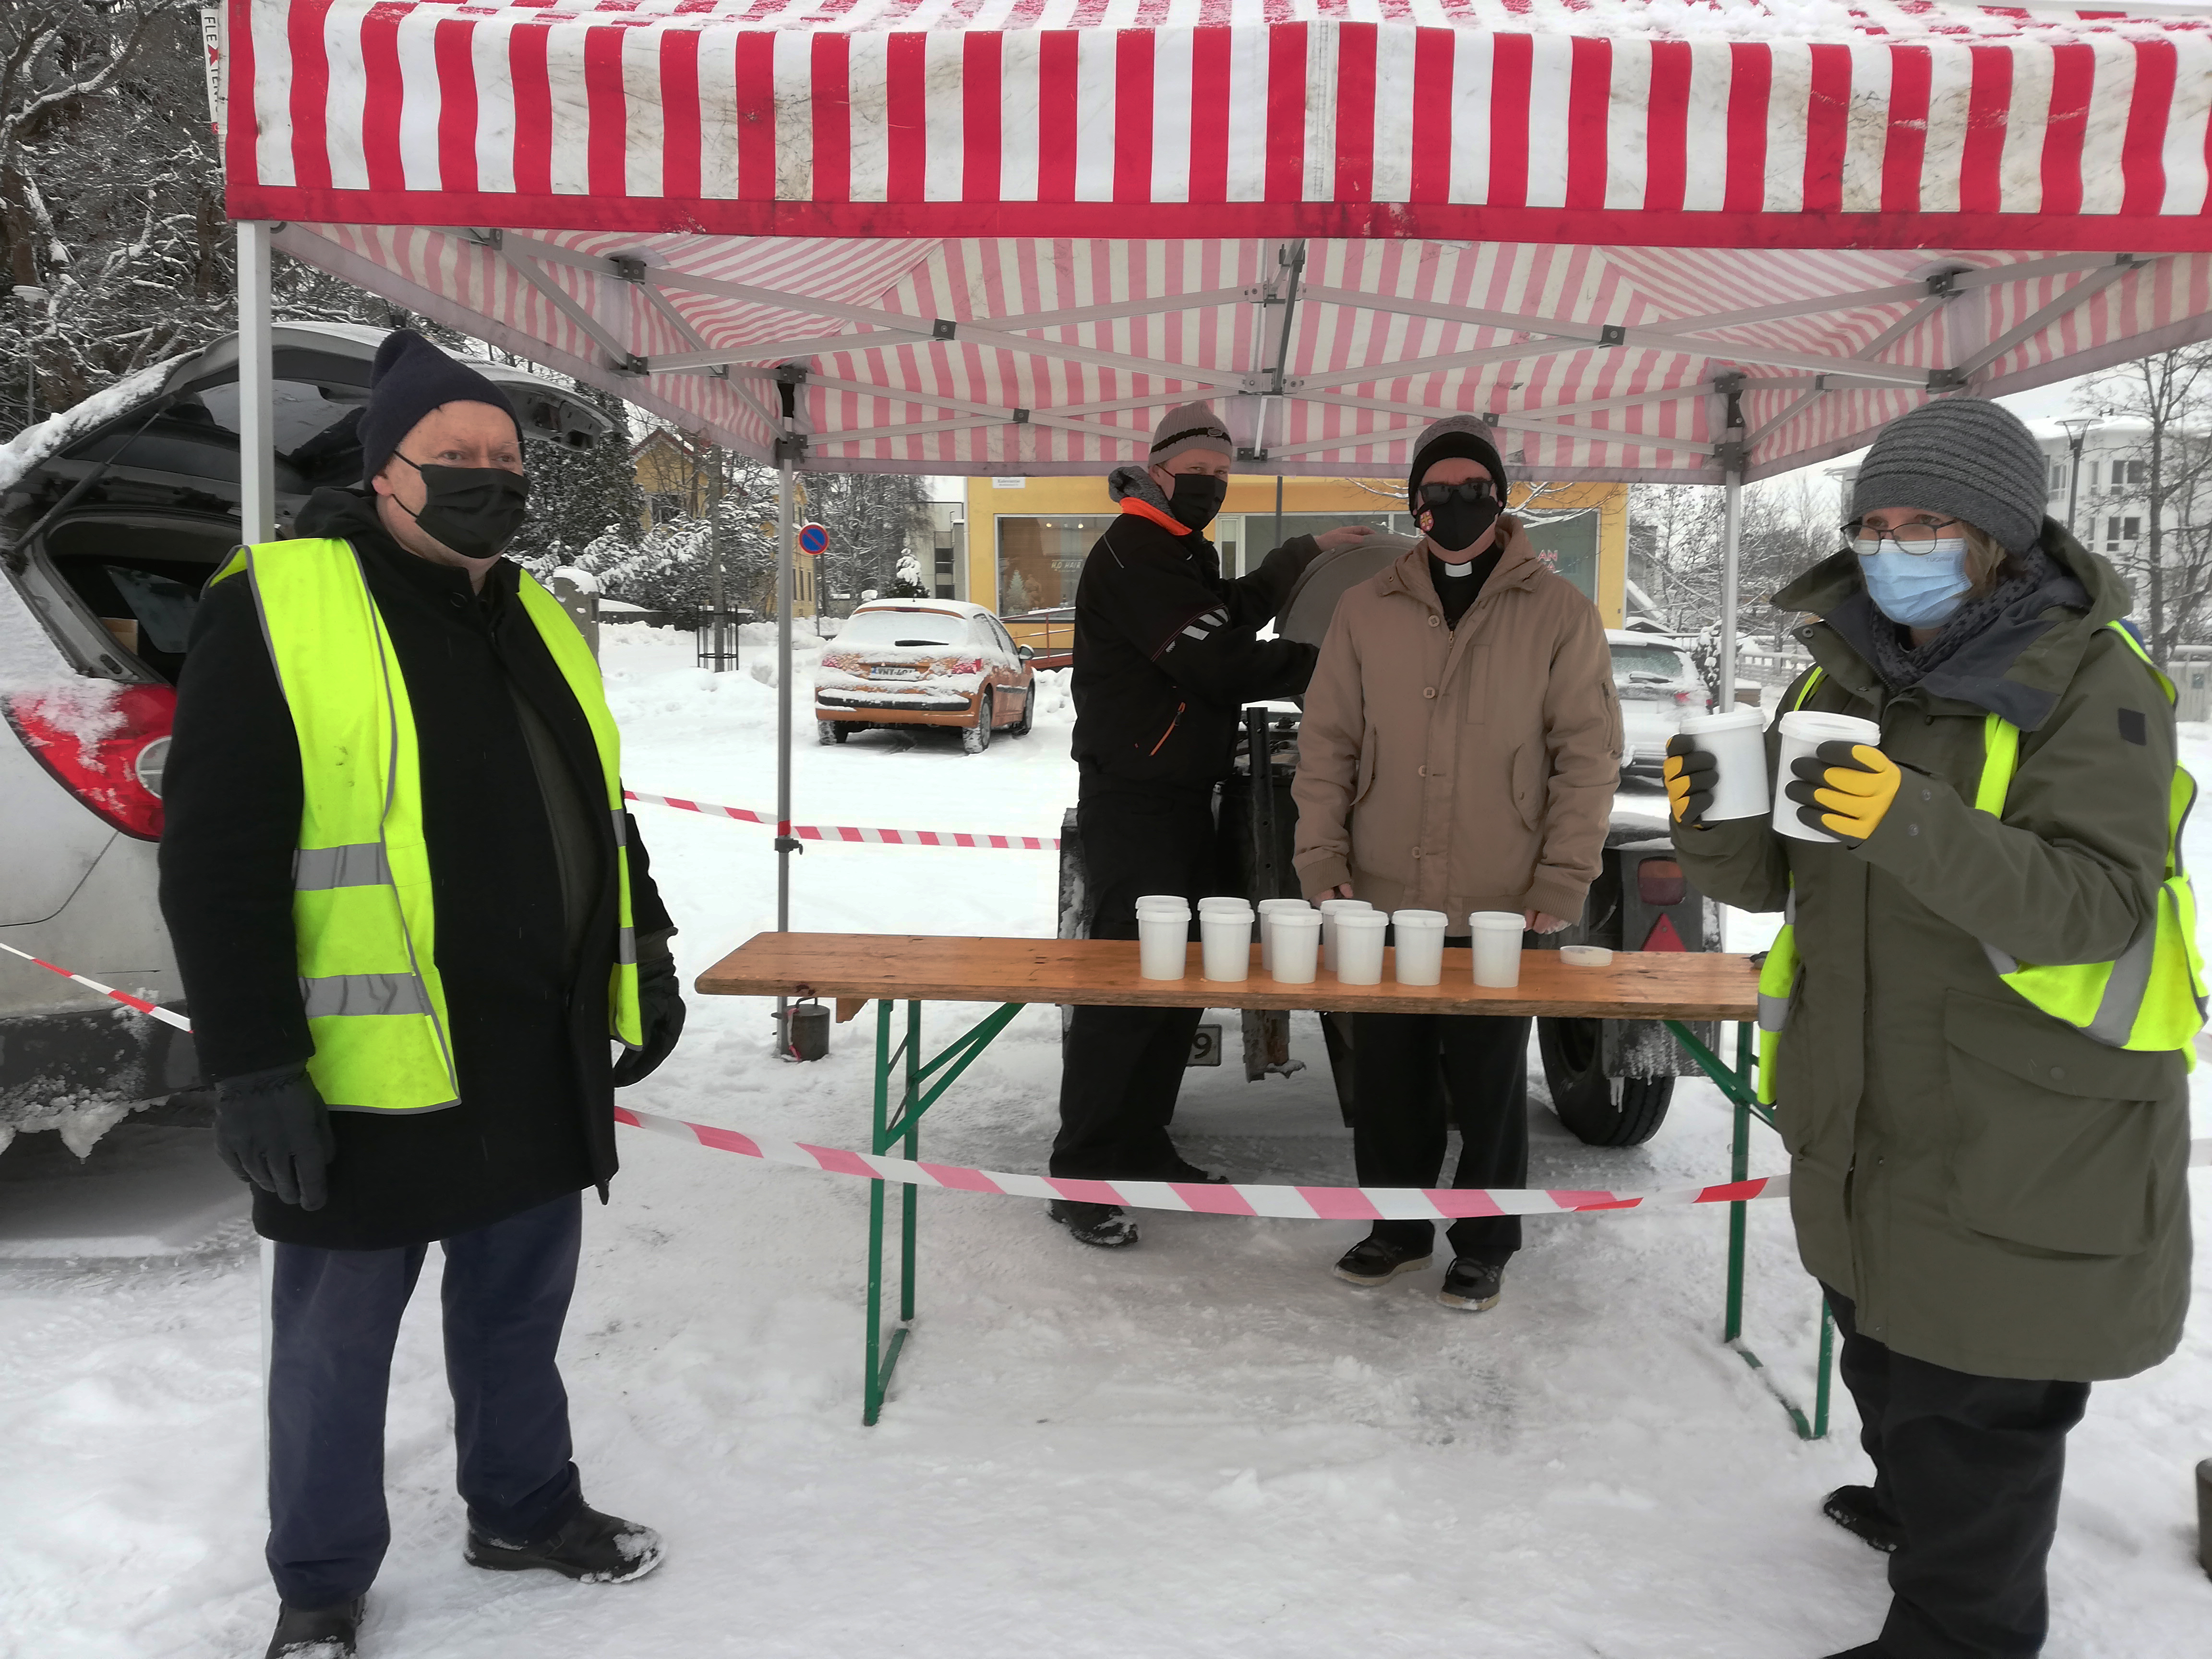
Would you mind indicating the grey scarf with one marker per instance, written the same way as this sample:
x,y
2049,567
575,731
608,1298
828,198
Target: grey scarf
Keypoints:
x,y
1904,664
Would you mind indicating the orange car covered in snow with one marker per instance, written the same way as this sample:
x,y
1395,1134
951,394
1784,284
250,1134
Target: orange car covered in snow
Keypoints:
x,y
925,662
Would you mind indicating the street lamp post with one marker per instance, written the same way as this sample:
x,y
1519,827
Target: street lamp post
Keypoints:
x,y
2078,428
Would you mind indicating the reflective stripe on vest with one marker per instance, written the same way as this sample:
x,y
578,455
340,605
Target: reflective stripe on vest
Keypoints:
x,y
363,921
2151,996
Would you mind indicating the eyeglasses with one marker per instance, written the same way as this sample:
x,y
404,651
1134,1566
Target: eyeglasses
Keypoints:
x,y
1474,489
1918,538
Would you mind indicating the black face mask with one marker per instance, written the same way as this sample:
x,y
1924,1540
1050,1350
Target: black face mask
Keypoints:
x,y
1197,498
1458,520
474,510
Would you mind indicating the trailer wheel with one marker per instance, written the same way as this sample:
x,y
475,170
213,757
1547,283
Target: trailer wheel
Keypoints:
x,y
1599,1110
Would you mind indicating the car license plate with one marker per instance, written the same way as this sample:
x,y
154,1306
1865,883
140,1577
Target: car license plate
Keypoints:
x,y
895,673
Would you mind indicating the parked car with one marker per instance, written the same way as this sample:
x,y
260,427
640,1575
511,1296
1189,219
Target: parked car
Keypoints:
x,y
925,662
1050,634
1658,684
113,515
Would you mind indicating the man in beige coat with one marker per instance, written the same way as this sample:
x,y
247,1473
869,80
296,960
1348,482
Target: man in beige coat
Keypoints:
x,y
1460,750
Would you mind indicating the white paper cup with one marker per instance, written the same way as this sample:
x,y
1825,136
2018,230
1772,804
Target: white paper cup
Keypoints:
x,y
1162,937
1330,909
1737,742
1359,946
1224,938
1297,945
1165,902
1497,947
1269,908
1804,730
1421,948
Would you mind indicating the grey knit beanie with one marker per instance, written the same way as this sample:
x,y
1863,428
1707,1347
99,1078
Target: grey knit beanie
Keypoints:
x,y
1191,425
1467,436
1963,457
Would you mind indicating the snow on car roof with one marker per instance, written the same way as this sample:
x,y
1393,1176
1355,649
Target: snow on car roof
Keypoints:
x,y
950,607
1628,636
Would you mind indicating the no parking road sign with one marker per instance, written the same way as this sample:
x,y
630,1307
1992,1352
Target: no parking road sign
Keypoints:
x,y
812,538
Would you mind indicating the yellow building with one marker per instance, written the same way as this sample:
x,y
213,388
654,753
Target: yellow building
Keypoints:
x,y
1027,537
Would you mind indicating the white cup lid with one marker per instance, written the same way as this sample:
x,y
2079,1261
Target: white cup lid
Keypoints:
x,y
1419,918
1337,906
1500,919
1736,719
1359,918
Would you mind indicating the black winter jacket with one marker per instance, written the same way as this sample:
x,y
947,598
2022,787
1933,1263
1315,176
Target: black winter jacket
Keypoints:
x,y
524,890
1166,653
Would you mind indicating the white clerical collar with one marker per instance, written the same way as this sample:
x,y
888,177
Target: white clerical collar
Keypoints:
x,y
1467,569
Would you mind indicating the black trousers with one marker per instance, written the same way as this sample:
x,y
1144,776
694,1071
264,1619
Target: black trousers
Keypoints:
x,y
335,1314
1122,1069
1970,1468
1400,1063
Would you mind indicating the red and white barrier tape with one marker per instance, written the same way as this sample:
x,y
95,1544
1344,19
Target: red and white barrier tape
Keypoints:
x,y
1289,1203
124,997
851,833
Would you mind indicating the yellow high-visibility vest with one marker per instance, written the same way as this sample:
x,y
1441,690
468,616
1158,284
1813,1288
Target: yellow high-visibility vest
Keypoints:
x,y
361,913
2151,997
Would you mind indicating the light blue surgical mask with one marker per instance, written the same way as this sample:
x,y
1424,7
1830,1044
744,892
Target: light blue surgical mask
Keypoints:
x,y
1921,590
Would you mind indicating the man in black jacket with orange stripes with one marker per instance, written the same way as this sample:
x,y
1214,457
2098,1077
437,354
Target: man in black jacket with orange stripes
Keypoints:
x,y
1167,654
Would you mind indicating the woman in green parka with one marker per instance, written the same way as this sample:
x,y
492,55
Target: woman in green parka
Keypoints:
x,y
1994,1197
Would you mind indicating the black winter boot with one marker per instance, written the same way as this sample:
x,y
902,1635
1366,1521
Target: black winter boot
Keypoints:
x,y
1860,1513
1106,1225
594,1548
1377,1261
1472,1285
317,1632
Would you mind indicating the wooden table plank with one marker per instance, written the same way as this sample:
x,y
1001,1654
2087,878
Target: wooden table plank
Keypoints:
x,y
854,967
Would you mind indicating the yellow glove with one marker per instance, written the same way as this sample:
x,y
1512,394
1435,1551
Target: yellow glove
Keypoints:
x,y
1844,789
1691,773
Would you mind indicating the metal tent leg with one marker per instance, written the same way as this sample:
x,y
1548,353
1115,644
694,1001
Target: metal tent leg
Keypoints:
x,y
256,442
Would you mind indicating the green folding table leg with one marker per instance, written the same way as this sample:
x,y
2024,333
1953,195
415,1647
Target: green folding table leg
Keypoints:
x,y
1735,1082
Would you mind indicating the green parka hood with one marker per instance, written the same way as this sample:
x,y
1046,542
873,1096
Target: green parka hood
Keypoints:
x,y
2016,668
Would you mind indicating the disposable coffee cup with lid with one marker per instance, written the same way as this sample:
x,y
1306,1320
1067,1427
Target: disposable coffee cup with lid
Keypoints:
x,y
1737,742
1804,730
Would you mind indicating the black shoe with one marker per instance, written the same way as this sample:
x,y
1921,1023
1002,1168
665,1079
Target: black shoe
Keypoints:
x,y
1860,1513
1472,1285
1377,1261
317,1632
1106,1225
594,1548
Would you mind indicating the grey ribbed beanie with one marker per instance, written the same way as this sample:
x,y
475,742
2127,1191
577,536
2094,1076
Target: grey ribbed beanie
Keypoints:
x,y
1965,458
1190,426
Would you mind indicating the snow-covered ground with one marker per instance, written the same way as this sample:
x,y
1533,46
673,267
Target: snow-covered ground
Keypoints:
x,y
1206,1445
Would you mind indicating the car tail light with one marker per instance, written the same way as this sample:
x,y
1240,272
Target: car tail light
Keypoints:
x,y
1683,699
964,665
1659,882
111,763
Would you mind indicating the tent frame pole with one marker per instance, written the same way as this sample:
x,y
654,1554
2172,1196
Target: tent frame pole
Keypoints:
x,y
1731,554
257,443
785,844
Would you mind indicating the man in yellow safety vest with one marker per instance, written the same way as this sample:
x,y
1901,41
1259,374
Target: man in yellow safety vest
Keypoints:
x,y
413,921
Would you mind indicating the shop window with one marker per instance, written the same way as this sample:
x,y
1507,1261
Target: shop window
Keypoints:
x,y
1040,558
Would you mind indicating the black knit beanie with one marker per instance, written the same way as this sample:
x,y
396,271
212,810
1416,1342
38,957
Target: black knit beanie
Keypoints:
x,y
1467,436
411,377
1966,458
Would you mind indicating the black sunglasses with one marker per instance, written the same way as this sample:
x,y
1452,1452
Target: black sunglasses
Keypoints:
x,y
1474,489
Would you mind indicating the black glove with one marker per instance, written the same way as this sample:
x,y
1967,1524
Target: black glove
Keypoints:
x,y
1690,774
660,1004
272,1128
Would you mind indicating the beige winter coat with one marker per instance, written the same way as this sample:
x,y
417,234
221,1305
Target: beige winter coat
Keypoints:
x,y
1459,769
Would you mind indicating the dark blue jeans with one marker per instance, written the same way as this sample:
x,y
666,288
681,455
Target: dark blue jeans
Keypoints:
x,y
335,1315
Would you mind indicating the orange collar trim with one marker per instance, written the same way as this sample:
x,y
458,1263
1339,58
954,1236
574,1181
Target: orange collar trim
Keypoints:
x,y
1173,526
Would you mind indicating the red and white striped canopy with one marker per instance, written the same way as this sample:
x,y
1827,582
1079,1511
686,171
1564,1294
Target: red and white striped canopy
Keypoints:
x,y
1001,235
